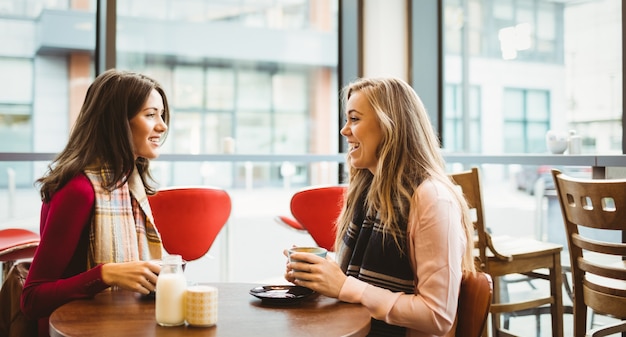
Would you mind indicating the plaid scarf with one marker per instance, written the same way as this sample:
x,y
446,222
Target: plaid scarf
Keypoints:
x,y
122,228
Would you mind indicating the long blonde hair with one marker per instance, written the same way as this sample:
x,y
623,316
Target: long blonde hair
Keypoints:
x,y
408,154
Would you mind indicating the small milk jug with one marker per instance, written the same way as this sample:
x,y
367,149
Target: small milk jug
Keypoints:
x,y
170,292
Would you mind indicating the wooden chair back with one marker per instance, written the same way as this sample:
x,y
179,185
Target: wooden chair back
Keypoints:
x,y
190,218
474,303
590,207
469,182
316,209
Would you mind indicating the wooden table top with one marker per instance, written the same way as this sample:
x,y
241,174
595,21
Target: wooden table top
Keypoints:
x,y
122,313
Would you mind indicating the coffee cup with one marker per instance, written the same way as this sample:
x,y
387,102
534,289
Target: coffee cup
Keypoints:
x,y
201,305
319,251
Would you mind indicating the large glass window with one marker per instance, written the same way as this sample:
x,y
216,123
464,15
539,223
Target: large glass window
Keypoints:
x,y
539,65
256,77
255,72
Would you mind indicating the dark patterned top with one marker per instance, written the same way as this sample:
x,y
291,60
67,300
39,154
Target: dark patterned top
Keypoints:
x,y
373,257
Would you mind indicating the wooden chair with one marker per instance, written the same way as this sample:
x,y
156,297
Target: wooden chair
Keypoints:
x,y
315,210
502,255
16,244
474,303
589,208
190,218
13,322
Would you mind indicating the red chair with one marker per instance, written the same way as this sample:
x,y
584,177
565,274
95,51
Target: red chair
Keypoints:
x,y
190,218
290,223
16,244
315,210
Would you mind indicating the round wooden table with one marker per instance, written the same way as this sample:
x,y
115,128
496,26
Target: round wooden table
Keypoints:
x,y
122,313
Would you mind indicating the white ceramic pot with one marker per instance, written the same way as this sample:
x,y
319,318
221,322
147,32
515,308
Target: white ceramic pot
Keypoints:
x,y
556,141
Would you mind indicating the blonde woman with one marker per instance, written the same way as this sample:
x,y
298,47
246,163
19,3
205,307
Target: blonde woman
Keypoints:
x,y
404,235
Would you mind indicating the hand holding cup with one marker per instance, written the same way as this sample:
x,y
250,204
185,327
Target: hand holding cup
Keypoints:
x,y
306,269
321,252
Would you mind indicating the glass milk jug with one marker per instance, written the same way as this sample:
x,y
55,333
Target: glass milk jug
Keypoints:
x,y
170,292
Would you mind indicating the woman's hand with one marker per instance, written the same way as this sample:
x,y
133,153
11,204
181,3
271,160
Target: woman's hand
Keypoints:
x,y
288,274
138,276
322,275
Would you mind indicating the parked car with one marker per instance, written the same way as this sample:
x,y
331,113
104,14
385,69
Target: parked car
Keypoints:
x,y
527,176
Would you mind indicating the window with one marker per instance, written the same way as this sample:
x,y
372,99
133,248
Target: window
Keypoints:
x,y
541,65
269,88
526,120
461,131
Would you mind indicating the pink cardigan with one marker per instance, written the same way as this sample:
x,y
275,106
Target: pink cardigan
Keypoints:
x,y
436,247
58,273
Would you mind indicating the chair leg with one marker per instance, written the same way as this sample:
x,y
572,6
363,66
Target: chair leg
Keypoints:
x,y
556,285
592,319
580,317
495,317
504,297
538,324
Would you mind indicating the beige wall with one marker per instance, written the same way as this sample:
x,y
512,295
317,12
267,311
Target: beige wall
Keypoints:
x,y
385,38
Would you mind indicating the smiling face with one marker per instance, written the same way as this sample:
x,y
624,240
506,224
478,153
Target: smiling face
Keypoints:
x,y
363,132
147,127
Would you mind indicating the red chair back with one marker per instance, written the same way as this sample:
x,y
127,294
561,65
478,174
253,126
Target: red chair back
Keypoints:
x,y
16,244
190,218
317,209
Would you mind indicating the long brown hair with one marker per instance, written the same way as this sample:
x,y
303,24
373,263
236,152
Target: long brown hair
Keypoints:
x,y
101,135
408,154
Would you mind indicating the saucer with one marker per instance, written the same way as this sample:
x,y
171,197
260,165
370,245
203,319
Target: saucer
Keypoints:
x,y
280,294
